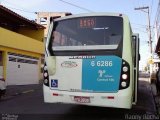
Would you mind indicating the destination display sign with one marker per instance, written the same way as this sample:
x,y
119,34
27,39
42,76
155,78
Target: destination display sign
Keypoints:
x,y
87,22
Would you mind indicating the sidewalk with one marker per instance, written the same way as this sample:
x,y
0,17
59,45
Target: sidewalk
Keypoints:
x,y
156,97
145,97
157,100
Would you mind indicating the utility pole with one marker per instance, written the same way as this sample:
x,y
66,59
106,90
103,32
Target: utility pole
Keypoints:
x,y
149,33
149,25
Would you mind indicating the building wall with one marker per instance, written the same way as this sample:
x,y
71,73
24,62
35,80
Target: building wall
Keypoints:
x,y
17,41
6,50
35,34
20,44
157,30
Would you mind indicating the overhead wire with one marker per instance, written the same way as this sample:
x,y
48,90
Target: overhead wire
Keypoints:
x,y
18,8
35,12
142,26
22,9
76,6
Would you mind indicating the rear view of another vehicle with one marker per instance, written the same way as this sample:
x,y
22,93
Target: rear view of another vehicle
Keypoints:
x,y
89,61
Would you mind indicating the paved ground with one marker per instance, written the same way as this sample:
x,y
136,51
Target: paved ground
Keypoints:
x,y
26,103
156,97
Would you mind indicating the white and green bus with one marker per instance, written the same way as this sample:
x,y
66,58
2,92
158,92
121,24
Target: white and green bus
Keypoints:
x,y
91,59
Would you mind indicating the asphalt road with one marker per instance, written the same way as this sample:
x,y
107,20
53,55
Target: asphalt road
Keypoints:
x,y
30,106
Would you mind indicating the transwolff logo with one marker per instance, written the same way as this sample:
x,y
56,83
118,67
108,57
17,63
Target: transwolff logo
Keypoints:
x,y
69,64
82,57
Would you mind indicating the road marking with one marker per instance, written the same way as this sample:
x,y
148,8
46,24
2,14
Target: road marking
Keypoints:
x,y
28,91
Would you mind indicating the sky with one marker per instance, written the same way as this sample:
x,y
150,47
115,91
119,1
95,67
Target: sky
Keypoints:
x,y
138,19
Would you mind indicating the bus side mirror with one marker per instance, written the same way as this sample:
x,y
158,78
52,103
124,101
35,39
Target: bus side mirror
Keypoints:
x,y
139,57
51,65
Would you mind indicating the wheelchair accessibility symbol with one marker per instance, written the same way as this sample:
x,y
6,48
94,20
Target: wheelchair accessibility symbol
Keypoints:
x,y
54,83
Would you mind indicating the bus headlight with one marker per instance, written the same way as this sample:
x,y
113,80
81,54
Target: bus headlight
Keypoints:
x,y
124,76
123,84
125,69
45,75
45,67
45,81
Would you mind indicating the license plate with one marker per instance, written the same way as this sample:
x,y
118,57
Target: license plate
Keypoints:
x,y
81,99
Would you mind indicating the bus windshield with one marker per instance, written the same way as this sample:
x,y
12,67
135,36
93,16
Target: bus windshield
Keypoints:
x,y
98,32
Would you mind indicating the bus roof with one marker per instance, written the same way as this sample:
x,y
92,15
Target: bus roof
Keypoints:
x,y
91,14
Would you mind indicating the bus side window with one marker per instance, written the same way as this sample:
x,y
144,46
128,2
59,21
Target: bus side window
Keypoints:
x,y
56,38
134,49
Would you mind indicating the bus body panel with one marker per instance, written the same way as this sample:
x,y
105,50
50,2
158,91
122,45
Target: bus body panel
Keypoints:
x,y
121,99
92,74
127,50
136,57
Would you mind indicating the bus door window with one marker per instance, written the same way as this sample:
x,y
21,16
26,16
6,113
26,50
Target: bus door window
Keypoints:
x,y
134,50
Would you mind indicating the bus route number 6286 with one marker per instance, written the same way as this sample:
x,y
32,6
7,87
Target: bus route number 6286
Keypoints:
x,y
101,63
